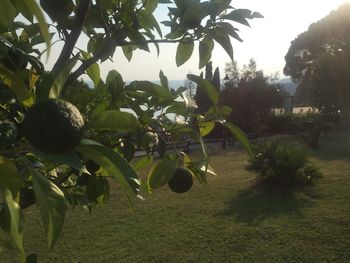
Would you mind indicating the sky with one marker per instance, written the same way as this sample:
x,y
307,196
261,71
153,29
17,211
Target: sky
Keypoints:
x,y
267,41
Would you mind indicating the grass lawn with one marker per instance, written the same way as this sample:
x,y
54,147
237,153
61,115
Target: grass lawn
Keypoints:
x,y
226,221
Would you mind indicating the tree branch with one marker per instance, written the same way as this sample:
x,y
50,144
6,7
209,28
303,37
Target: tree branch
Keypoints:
x,y
74,34
112,44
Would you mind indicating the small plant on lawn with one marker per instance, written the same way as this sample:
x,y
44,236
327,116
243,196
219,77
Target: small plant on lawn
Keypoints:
x,y
283,164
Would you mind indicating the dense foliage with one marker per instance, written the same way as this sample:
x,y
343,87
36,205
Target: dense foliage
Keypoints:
x,y
319,60
119,118
284,164
251,95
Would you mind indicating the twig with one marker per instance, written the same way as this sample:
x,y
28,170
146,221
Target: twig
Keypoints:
x,y
74,34
87,63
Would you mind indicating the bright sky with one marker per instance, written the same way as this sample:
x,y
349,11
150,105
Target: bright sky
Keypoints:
x,y
267,41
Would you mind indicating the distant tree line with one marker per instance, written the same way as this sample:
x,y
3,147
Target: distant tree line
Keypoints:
x,y
248,91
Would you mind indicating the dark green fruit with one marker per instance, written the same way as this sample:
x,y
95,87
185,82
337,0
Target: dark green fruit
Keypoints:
x,y
53,126
149,139
27,197
182,181
83,179
15,60
127,149
91,166
8,133
57,10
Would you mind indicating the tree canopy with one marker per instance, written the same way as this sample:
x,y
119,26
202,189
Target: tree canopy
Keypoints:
x,y
320,60
119,118
251,95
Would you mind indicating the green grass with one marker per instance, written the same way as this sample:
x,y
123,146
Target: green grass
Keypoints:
x,y
226,221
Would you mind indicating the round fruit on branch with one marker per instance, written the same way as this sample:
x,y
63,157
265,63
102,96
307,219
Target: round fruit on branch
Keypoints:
x,y
182,181
91,166
57,10
53,126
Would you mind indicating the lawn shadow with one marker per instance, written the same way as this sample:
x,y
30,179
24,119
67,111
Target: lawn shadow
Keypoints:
x,y
333,147
251,206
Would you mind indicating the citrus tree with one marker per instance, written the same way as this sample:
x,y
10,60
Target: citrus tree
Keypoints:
x,y
61,142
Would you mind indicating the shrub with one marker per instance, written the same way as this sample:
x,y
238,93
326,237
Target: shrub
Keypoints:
x,y
282,164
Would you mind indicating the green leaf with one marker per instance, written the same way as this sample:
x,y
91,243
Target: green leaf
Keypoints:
x,y
93,71
142,163
71,159
16,221
8,134
9,177
207,88
200,170
161,173
226,110
229,29
224,40
115,84
127,51
193,15
114,120
113,163
205,49
51,202
204,150
217,113
240,136
15,83
97,190
38,39
256,15
206,127
178,109
147,20
163,80
239,16
176,33
35,9
150,5
152,89
8,13
139,39
23,9
184,52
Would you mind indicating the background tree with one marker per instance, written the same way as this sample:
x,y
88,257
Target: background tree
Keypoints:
x,y
190,88
250,71
51,153
251,98
320,60
216,79
233,74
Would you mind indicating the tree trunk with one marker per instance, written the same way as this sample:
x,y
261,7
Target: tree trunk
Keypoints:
x,y
315,136
349,126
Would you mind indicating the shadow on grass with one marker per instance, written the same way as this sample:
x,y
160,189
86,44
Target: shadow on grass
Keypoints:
x,y
333,147
251,206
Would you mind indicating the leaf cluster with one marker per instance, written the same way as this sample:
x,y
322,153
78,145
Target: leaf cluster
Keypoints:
x,y
319,60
